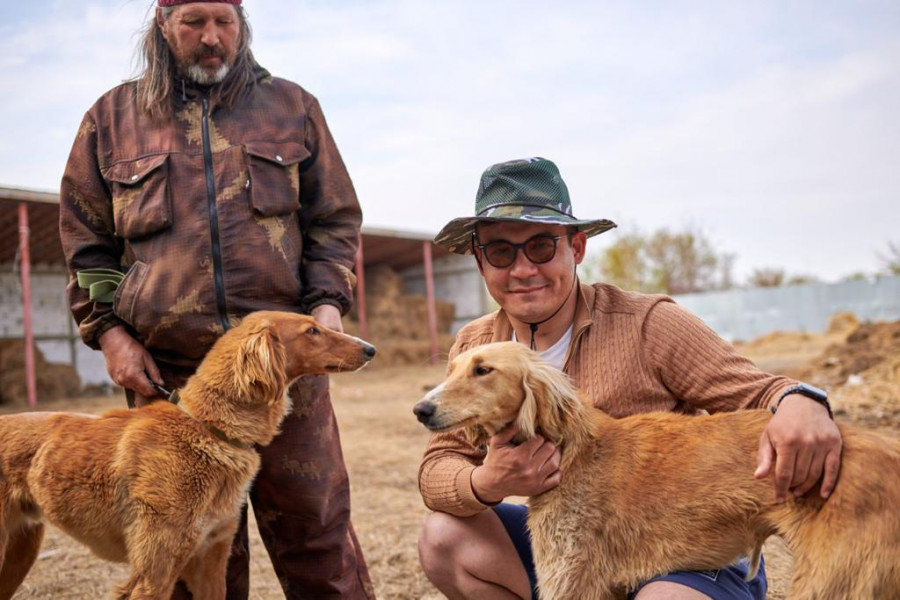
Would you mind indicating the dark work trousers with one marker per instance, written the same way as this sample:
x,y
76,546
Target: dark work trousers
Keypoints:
x,y
301,500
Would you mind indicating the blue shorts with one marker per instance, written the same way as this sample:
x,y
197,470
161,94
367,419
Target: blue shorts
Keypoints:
x,y
722,584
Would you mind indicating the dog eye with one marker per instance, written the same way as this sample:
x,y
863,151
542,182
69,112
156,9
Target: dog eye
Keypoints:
x,y
313,331
482,370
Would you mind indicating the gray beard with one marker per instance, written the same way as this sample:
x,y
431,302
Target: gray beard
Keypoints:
x,y
198,75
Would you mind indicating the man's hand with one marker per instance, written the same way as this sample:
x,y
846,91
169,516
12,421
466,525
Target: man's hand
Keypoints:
x,y
524,470
128,362
804,444
329,316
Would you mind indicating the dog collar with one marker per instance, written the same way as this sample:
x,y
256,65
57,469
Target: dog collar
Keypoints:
x,y
213,430
172,396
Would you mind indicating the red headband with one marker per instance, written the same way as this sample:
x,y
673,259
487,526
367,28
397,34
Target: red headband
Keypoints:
x,y
167,3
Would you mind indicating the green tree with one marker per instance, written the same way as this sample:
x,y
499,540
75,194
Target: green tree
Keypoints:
x,y
774,277
623,264
891,260
669,262
767,277
682,262
802,279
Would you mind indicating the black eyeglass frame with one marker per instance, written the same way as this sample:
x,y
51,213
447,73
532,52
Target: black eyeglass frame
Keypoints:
x,y
523,246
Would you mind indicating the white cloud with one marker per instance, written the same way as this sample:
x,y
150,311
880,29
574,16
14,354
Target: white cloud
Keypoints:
x,y
770,126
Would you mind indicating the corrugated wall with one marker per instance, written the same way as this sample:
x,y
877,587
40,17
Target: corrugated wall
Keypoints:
x,y
746,314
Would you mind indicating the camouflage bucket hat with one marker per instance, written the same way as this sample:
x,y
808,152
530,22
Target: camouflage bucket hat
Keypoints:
x,y
528,191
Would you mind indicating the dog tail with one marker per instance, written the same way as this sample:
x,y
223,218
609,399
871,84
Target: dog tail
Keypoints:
x,y
754,561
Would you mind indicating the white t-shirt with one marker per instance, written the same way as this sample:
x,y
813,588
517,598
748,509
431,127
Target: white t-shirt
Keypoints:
x,y
555,355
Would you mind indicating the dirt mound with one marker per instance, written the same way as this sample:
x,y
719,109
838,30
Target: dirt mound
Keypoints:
x,y
867,346
862,374
873,396
796,343
53,380
842,323
778,342
858,363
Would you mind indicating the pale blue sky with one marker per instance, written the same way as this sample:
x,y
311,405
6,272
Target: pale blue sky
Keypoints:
x,y
770,125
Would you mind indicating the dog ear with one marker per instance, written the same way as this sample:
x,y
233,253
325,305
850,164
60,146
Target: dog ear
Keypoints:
x,y
550,399
528,412
260,365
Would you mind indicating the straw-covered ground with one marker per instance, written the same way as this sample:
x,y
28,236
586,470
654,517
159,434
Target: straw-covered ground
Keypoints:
x,y
383,443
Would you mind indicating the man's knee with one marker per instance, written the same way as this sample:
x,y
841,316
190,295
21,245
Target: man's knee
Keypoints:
x,y
439,537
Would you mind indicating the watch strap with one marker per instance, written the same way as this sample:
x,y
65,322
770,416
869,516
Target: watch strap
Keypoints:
x,y
804,389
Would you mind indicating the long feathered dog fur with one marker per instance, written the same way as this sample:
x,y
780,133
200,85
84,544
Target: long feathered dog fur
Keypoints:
x,y
161,487
658,492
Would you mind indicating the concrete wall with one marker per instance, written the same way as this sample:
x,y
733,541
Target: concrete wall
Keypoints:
x,y
748,314
50,319
457,280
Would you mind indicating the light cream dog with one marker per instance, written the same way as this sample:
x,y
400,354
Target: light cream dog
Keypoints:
x,y
161,487
659,492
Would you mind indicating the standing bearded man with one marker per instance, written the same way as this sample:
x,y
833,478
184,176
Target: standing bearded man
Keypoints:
x,y
202,191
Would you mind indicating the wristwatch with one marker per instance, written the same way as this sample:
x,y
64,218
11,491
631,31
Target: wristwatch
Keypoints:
x,y
810,391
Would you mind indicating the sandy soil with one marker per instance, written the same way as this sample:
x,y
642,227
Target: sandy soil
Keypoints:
x,y
383,444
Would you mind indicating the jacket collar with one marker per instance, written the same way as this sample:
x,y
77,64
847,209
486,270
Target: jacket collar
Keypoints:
x,y
186,89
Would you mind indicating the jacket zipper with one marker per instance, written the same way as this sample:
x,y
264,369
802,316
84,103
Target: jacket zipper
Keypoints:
x,y
218,277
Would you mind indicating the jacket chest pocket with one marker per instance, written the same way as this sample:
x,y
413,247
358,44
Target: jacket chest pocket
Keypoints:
x,y
140,196
274,176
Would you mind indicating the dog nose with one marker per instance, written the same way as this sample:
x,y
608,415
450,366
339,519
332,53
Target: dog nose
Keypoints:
x,y
423,411
369,351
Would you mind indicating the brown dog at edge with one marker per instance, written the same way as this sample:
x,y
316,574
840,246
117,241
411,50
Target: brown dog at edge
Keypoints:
x,y
161,487
659,492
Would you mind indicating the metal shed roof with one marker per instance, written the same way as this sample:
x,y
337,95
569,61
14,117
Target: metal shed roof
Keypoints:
x,y
393,248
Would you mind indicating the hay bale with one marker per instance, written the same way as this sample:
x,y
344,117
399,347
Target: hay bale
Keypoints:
x,y
392,353
12,354
52,380
406,318
66,375
398,322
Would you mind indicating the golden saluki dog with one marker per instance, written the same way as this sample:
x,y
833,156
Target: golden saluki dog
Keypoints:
x,y
161,487
658,492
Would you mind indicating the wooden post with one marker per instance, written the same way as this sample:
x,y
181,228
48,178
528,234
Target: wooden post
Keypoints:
x,y
25,262
429,294
361,292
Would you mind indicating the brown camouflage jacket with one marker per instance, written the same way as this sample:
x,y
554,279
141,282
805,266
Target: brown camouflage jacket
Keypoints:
x,y
212,215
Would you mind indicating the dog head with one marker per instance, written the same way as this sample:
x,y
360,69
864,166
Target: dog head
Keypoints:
x,y
488,387
267,350
278,347
242,383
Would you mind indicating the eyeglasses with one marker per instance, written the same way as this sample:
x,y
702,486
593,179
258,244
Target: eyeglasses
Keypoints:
x,y
539,249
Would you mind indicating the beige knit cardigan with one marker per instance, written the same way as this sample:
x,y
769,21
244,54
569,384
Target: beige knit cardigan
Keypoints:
x,y
630,353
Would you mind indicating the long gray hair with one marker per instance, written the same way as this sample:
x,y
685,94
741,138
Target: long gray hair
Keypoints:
x,y
158,75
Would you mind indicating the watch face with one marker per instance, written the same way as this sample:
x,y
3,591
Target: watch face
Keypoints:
x,y
812,391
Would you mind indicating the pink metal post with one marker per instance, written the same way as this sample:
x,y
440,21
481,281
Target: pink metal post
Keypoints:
x,y
361,292
429,294
25,261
